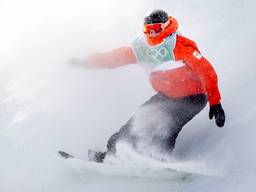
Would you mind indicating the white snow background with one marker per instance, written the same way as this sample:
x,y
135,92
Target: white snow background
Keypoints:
x,y
47,105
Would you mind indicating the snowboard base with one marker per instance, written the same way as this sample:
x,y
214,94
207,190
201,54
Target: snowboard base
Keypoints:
x,y
125,169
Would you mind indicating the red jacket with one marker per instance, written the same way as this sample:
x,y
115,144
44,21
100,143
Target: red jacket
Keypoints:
x,y
195,76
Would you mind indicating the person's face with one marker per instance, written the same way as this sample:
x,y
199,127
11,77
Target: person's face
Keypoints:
x,y
153,30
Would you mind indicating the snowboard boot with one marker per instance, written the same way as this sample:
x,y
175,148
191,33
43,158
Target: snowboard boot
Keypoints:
x,y
96,156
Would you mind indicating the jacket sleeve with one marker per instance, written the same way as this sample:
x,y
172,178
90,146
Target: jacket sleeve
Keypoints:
x,y
204,69
115,58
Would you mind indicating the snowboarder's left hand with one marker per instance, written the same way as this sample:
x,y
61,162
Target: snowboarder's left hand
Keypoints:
x,y
218,113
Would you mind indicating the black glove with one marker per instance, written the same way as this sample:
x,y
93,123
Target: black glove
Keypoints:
x,y
218,113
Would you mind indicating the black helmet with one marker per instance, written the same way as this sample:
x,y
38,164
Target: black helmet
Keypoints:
x,y
156,16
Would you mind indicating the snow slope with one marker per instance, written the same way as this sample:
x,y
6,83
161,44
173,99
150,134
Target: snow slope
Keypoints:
x,y
46,105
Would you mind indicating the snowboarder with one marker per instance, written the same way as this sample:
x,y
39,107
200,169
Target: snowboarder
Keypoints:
x,y
182,77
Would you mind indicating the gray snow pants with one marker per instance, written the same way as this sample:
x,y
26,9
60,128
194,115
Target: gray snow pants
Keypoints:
x,y
158,122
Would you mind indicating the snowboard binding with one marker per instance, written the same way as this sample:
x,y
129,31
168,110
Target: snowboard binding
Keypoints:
x,y
96,156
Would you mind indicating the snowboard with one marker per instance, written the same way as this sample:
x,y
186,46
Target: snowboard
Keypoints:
x,y
143,169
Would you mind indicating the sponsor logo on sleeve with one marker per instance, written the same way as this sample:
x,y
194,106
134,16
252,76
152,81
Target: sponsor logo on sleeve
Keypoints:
x,y
197,55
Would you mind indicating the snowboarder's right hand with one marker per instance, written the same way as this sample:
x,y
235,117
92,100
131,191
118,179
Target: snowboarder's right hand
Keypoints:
x,y
218,113
87,62
76,61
